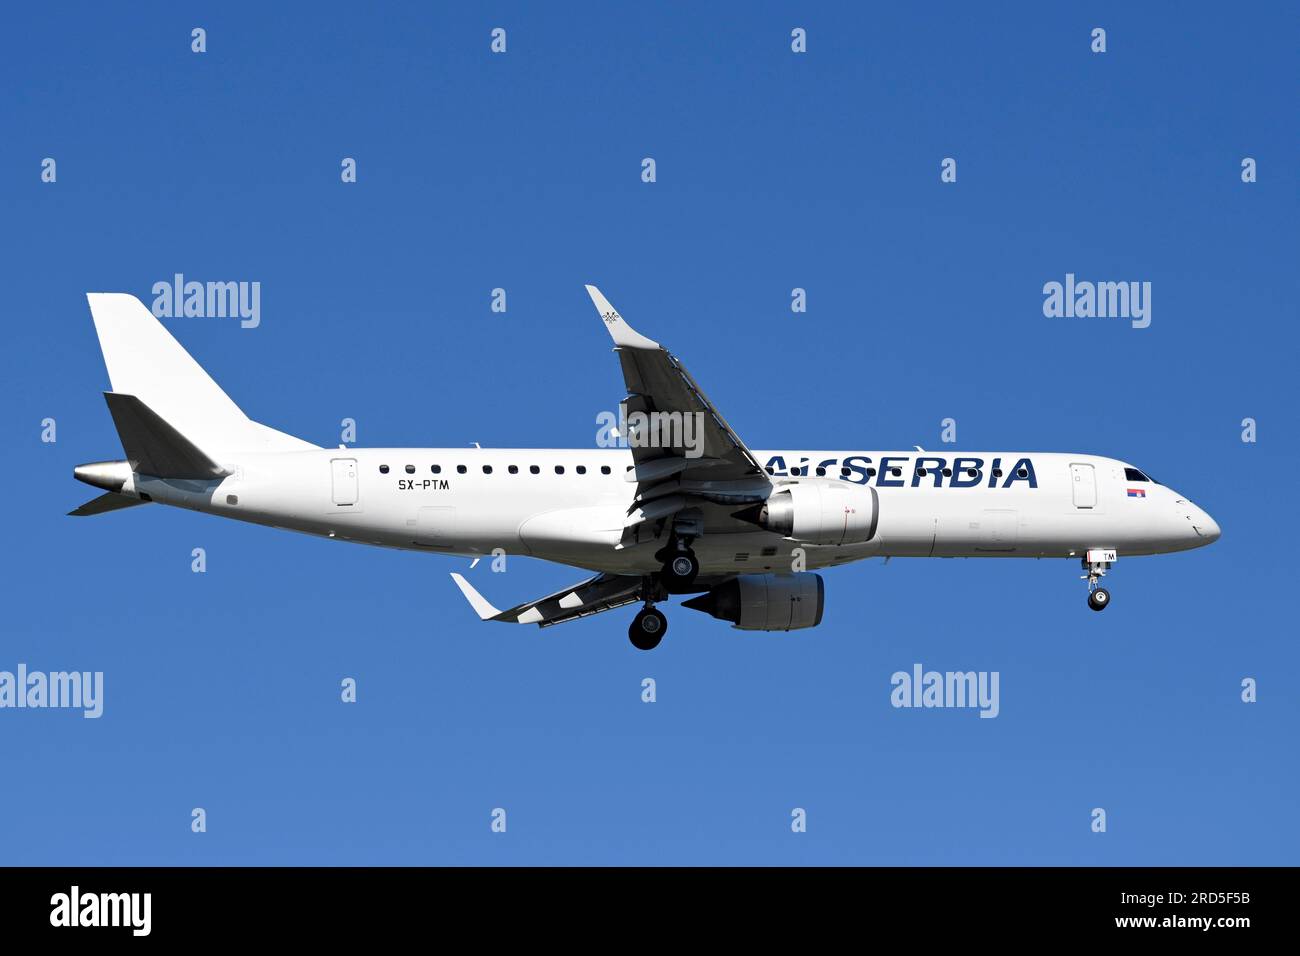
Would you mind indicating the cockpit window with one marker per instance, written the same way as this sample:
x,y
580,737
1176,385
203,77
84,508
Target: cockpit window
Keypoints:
x,y
1132,474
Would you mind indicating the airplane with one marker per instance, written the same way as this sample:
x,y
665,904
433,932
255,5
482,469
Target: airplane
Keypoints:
x,y
680,505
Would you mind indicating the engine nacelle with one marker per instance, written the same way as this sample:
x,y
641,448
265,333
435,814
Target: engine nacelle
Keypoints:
x,y
766,602
819,512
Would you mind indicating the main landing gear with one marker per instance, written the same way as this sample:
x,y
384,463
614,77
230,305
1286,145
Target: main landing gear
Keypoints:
x,y
677,576
648,628
680,567
1096,563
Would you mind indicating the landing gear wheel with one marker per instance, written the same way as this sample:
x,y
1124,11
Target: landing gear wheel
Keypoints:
x,y
1096,562
679,572
648,629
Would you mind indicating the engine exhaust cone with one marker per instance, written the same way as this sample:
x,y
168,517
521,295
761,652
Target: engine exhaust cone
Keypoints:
x,y
705,602
723,602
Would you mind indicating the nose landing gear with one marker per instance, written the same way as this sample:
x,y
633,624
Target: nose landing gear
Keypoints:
x,y
1097,562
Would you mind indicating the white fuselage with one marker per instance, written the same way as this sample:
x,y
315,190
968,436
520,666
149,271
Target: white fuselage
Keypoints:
x,y
573,509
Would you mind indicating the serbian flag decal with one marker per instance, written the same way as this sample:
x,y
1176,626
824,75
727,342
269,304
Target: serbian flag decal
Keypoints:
x,y
1136,493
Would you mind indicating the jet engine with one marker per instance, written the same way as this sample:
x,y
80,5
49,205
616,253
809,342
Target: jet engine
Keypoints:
x,y
766,602
818,512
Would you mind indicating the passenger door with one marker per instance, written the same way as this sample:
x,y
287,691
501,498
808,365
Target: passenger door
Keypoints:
x,y
1083,479
345,481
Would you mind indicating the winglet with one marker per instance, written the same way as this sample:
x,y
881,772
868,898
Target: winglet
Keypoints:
x,y
478,602
623,334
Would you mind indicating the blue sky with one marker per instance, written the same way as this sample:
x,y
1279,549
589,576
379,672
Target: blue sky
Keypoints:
x,y
774,171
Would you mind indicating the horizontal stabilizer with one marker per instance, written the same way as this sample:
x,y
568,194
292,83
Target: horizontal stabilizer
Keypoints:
x,y
106,503
154,447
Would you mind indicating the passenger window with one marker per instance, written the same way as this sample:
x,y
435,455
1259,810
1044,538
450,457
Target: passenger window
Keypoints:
x,y
581,469
559,469
604,469
460,469
534,470
997,472
513,469
821,472
383,469
947,472
845,472
436,469
487,469
410,469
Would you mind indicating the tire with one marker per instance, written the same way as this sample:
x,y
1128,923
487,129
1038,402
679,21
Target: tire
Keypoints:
x,y
679,572
648,629
1099,599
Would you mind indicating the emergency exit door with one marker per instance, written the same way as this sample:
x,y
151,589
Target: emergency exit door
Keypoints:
x,y
1084,480
345,481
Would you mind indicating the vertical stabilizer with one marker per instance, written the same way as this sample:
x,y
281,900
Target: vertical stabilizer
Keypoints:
x,y
145,361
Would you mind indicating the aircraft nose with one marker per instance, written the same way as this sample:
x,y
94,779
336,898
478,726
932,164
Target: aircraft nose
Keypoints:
x,y
1205,526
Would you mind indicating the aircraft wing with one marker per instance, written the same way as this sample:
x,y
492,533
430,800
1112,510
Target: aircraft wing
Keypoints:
x,y
604,592
691,452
